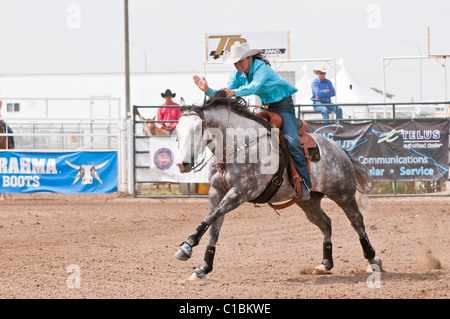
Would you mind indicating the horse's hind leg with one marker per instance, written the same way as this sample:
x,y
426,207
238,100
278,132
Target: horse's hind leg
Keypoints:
x,y
357,221
317,216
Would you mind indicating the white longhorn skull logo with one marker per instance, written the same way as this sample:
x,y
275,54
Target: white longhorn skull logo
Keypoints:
x,y
87,173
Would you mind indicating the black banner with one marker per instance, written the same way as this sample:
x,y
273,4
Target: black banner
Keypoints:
x,y
395,150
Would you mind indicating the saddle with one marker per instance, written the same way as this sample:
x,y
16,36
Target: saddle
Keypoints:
x,y
311,150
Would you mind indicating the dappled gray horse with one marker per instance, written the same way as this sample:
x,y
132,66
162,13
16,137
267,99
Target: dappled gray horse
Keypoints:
x,y
244,161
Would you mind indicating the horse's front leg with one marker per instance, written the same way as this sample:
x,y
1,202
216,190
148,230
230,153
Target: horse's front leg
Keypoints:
x,y
207,264
233,199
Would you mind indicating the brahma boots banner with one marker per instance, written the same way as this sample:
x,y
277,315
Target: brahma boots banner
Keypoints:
x,y
71,172
395,150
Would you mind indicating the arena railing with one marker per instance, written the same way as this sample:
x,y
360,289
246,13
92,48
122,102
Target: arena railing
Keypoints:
x,y
371,111
43,134
361,112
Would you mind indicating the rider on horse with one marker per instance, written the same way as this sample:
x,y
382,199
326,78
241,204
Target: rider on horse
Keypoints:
x,y
253,75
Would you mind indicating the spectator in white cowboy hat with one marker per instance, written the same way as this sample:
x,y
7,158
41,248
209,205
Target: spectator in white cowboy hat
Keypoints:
x,y
323,91
168,113
253,75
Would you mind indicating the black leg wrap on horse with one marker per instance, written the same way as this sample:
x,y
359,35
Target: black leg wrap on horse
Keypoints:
x,y
199,232
369,252
207,265
328,253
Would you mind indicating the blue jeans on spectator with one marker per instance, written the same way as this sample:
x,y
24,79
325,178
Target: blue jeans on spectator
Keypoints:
x,y
324,109
285,108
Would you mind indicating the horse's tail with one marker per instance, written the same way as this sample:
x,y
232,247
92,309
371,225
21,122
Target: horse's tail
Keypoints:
x,y
364,183
364,180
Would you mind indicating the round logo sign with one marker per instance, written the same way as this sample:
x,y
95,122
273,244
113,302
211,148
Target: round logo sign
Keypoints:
x,y
163,158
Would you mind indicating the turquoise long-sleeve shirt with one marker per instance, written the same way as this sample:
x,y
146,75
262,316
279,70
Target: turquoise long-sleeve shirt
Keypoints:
x,y
262,81
319,89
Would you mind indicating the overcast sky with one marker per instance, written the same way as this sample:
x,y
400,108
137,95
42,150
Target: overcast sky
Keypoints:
x,y
87,36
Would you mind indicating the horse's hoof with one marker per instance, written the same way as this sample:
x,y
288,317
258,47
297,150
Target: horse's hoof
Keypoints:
x,y
184,252
375,265
323,268
197,274
319,269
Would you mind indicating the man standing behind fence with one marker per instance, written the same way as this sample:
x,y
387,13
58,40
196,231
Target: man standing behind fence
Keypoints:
x,y
323,91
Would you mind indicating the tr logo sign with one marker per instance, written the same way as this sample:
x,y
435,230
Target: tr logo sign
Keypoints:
x,y
225,43
273,44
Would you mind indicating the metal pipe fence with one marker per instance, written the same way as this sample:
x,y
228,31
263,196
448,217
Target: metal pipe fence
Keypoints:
x,y
365,112
64,134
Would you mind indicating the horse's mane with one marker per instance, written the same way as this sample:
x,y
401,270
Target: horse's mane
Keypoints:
x,y
237,105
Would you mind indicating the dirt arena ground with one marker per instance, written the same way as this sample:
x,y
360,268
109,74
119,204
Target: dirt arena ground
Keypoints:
x,y
117,246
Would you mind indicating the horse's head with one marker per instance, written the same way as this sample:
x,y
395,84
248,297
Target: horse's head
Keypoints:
x,y
152,126
191,127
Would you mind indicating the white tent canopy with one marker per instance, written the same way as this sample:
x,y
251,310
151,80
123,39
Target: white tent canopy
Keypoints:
x,y
304,94
351,90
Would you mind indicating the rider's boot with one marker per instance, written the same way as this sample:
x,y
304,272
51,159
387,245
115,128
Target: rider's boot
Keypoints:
x,y
305,191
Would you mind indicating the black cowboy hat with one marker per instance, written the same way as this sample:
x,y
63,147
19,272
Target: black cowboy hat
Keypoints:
x,y
168,93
